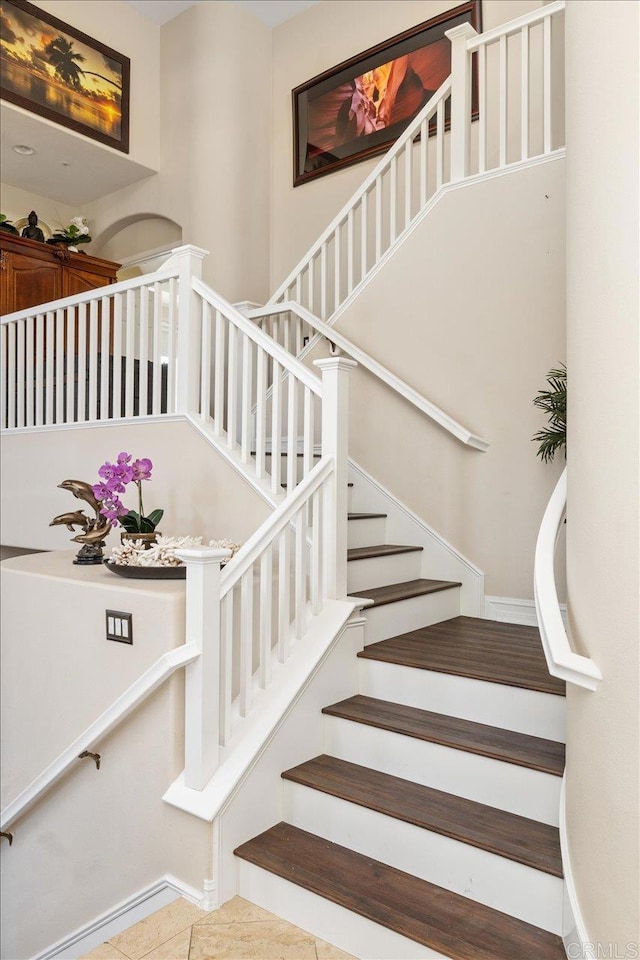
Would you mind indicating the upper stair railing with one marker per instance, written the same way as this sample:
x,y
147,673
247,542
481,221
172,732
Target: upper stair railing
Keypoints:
x,y
520,117
561,660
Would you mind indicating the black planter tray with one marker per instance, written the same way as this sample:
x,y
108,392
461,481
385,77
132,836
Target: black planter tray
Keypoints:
x,y
147,573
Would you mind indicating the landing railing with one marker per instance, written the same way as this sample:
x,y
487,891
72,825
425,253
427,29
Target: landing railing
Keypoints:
x,y
561,659
517,72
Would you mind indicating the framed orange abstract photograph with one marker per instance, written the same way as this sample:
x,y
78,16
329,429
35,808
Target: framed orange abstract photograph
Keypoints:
x,y
360,107
54,70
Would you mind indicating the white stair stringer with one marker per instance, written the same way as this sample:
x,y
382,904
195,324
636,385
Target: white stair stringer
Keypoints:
x,y
347,930
496,783
505,885
495,704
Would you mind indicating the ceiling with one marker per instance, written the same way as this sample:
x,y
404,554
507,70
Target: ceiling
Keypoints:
x,y
270,12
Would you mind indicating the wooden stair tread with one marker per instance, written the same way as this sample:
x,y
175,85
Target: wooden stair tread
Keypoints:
x,y
508,835
504,653
447,922
366,516
381,550
403,591
547,756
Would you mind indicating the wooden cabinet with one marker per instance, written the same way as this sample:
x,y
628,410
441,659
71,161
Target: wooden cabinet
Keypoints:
x,y
32,273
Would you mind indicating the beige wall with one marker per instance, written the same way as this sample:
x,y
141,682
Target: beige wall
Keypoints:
x,y
201,494
17,203
602,527
314,41
474,327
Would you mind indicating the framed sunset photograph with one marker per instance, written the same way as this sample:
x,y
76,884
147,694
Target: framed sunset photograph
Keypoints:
x,y
360,107
57,72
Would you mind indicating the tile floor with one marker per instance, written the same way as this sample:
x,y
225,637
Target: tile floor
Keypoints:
x,y
237,931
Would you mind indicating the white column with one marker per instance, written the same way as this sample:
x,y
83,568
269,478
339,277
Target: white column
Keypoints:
x,y
202,677
188,259
335,433
460,99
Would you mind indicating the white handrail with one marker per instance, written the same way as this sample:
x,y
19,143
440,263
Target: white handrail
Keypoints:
x,y
561,660
268,344
378,370
425,114
514,26
132,697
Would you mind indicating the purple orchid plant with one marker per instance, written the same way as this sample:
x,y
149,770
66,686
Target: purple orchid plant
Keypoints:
x,y
115,478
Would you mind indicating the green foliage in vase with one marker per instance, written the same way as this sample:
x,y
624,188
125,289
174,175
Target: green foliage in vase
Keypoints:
x,y
553,402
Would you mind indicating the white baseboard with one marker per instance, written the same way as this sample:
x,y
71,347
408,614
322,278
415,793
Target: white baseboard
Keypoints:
x,y
512,610
121,917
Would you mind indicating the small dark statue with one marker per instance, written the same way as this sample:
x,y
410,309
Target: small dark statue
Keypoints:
x,y
94,529
33,231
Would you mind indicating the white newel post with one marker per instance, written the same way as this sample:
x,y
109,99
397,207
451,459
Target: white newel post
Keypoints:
x,y
202,677
335,440
460,99
189,260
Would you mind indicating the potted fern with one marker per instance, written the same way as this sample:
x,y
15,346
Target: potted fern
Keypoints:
x,y
553,402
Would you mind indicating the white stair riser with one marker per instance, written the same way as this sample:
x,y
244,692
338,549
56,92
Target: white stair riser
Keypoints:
x,y
366,532
347,930
506,786
525,711
391,619
379,571
494,881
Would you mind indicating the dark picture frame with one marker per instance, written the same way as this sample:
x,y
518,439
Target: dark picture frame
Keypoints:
x,y
339,118
55,71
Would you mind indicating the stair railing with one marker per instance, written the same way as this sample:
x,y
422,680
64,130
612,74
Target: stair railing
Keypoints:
x,y
561,659
289,323
517,122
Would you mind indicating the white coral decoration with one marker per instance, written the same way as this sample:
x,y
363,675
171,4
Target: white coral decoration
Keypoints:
x,y
81,224
132,553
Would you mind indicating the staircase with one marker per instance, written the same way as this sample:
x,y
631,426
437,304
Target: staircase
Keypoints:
x,y
429,825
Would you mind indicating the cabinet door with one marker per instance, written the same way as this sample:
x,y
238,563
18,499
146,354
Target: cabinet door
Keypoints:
x,y
27,282
77,280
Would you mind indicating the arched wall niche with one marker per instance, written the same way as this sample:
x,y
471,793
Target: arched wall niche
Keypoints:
x,y
134,235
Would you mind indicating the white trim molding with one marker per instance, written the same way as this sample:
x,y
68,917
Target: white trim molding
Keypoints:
x,y
514,610
122,916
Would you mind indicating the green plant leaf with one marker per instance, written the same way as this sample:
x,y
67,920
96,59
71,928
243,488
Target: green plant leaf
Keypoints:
x,y
146,526
155,517
553,402
131,522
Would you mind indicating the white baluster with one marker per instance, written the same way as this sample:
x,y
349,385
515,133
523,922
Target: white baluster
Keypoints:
x,y
203,681
246,641
546,84
226,669
247,389
292,433
350,251
424,152
20,371
261,411
105,337
30,354
71,360
11,377
190,266
300,573
408,182
4,369
232,387
276,428
378,217
284,594
337,255
503,104
364,237
439,143
59,366
205,369
266,600
524,93
131,353
482,108
219,374
143,369
311,285
39,371
93,360
157,349
299,288
335,430
82,363
393,199
316,553
172,347
117,356
307,451
50,367
460,99
323,281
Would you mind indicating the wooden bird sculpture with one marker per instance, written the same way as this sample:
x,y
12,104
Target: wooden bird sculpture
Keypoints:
x,y
94,529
